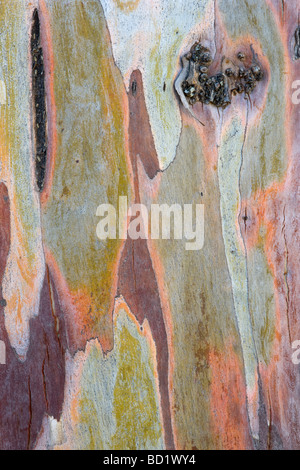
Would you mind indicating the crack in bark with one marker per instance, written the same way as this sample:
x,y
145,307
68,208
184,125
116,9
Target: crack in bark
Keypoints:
x,y
262,421
241,233
270,424
52,306
30,415
45,385
286,273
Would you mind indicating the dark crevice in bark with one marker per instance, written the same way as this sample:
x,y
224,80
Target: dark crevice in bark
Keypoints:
x,y
297,43
39,102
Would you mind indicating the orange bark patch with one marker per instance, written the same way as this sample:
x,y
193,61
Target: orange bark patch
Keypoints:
x,y
228,400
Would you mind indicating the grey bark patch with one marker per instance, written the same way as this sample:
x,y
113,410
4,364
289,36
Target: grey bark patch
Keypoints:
x,y
2,353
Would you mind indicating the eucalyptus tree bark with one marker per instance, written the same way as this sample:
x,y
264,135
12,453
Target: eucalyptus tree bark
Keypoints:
x,y
124,343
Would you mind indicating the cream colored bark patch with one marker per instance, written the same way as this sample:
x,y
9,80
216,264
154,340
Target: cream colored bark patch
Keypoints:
x,y
111,401
151,38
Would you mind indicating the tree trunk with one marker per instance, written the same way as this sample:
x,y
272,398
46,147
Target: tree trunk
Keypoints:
x,y
110,337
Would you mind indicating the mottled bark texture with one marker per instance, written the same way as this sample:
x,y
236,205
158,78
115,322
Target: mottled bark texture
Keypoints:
x,y
141,344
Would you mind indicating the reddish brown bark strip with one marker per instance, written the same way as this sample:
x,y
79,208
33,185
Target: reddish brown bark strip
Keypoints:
x,y
137,281
141,143
30,389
